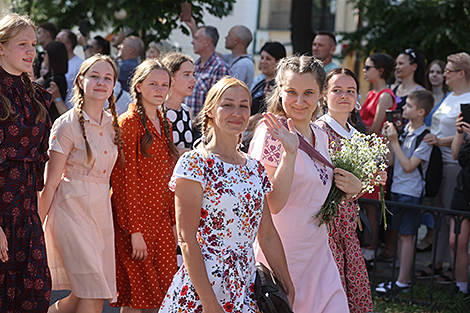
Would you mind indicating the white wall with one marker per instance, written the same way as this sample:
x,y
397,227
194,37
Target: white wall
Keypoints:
x,y
245,12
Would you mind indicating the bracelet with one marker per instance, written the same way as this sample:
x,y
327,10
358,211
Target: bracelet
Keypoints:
x,y
460,131
58,99
85,47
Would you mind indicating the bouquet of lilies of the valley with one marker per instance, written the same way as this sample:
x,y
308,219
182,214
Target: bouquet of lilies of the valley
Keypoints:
x,y
363,156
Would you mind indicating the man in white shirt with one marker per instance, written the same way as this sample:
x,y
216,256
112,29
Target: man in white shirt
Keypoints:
x,y
69,39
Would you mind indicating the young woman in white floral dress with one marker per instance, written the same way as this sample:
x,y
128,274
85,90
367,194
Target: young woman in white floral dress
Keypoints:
x,y
220,211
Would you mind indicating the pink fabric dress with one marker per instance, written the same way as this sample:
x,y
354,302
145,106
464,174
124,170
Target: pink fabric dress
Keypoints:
x,y
311,265
79,230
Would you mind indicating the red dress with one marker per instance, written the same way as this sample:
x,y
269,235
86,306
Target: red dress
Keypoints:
x,y
142,202
368,110
345,246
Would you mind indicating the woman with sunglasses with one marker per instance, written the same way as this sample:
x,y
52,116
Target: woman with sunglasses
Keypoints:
x,y
377,69
410,68
443,130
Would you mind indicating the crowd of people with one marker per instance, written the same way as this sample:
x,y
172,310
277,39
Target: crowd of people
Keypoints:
x,y
111,168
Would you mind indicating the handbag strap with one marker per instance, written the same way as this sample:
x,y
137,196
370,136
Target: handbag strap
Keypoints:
x,y
307,148
264,282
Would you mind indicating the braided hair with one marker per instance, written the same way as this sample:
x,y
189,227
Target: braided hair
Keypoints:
x,y
10,26
300,65
78,99
141,72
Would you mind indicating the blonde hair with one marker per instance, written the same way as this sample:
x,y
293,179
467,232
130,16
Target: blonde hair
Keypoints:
x,y
163,47
141,72
214,96
10,26
300,65
462,62
78,98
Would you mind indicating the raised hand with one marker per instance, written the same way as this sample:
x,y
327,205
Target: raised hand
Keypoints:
x,y
288,137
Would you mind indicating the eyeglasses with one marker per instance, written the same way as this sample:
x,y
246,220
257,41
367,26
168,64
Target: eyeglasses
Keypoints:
x,y
367,67
447,71
411,53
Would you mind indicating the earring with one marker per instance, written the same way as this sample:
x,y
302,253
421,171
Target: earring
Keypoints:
x,y
358,106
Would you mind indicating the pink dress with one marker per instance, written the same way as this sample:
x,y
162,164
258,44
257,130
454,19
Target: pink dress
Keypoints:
x,y
311,265
79,230
342,236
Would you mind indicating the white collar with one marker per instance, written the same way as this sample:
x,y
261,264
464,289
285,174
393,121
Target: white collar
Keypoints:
x,y
337,127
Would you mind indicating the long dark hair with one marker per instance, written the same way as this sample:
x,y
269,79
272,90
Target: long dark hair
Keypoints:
x,y
58,58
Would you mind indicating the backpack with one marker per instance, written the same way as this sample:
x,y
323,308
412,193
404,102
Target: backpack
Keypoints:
x,y
433,176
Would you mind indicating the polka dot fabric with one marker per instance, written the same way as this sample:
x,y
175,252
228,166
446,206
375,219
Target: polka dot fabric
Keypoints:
x,y
142,202
231,210
182,128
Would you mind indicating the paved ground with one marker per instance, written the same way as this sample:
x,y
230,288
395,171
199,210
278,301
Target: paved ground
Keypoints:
x,y
383,272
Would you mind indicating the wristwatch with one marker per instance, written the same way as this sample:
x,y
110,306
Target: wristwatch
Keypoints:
x,y
85,47
58,99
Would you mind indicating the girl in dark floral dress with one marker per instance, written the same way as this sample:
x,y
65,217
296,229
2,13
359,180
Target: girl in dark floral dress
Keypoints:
x,y
24,132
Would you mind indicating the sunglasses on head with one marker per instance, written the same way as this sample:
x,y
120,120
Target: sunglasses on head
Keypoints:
x,y
411,53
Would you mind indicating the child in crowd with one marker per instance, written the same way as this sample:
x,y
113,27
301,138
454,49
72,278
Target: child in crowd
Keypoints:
x,y
79,229
408,181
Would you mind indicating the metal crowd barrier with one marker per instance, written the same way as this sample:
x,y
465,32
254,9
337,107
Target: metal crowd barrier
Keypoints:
x,y
440,215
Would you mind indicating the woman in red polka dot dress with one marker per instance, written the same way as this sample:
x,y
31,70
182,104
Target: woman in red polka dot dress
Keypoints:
x,y
142,203
79,227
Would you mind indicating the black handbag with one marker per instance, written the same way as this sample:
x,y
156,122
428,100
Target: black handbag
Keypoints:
x,y
269,293
363,229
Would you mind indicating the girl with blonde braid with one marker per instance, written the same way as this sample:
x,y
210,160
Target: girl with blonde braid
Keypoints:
x,y
143,206
84,145
25,280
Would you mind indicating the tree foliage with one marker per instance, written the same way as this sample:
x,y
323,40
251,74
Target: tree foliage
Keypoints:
x,y
436,28
153,19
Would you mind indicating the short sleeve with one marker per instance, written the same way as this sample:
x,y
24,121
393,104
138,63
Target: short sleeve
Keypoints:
x,y
423,152
190,166
61,138
265,148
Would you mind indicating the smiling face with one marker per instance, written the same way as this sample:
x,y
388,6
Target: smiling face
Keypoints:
x,y
154,88
98,82
341,95
403,67
436,78
299,94
184,80
17,55
232,112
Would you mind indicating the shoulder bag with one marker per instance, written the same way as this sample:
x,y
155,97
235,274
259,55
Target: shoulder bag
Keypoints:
x,y
269,292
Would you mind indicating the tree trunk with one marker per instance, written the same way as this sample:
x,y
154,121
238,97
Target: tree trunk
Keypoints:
x,y
302,33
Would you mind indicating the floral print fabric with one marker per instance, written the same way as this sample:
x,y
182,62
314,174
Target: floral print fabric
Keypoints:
x,y
231,210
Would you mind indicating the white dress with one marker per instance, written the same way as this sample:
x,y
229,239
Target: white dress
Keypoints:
x,y
231,210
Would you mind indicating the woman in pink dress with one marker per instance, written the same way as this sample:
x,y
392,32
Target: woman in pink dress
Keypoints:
x,y
79,228
301,184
